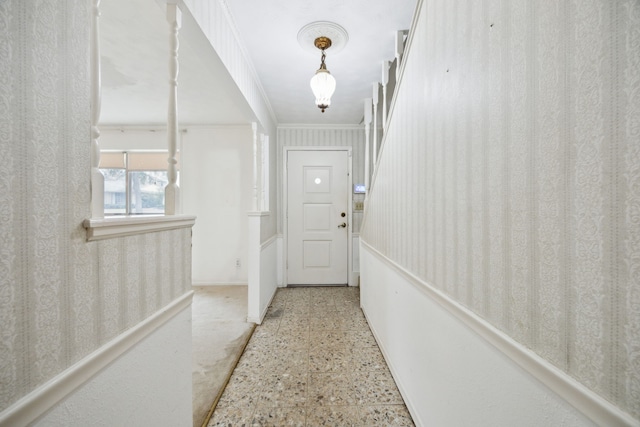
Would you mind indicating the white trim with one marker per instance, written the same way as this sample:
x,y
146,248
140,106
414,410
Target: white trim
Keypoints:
x,y
33,405
248,62
403,392
212,284
280,260
135,128
319,126
592,405
203,126
258,320
108,228
263,247
183,128
271,240
284,214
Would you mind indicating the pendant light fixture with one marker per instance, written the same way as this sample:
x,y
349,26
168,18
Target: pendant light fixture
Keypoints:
x,y
323,84
322,35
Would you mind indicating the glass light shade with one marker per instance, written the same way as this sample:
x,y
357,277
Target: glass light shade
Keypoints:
x,y
323,85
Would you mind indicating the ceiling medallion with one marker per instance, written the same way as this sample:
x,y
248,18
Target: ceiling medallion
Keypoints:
x,y
310,32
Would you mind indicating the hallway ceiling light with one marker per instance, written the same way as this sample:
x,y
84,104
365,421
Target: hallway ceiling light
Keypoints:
x,y
323,84
323,35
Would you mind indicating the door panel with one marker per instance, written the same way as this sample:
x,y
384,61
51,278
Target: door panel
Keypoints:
x,y
317,195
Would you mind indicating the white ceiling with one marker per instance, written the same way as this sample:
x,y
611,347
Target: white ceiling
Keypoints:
x,y
135,61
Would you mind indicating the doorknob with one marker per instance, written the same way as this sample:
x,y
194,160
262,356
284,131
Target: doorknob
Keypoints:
x,y
343,225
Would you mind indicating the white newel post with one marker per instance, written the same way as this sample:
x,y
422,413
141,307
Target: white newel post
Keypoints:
x,y
367,124
399,50
385,82
97,179
172,191
375,123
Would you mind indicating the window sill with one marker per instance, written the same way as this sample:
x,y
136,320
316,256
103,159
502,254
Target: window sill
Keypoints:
x,y
119,226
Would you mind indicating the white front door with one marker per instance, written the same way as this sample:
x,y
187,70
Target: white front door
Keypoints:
x,y
318,226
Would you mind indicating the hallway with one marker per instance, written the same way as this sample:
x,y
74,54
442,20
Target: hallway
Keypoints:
x,y
312,362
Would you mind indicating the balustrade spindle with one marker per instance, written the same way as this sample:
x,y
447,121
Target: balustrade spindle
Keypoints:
x,y
367,123
385,81
97,179
172,191
375,99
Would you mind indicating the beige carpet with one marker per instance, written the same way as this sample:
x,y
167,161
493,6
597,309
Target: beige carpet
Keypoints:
x,y
220,333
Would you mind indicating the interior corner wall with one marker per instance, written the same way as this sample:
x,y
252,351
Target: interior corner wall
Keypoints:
x,y
508,180
216,187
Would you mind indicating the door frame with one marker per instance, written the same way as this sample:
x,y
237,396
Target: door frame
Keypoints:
x,y
285,206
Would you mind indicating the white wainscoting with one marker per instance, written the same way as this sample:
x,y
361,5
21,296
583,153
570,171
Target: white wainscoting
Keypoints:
x,y
142,377
455,369
268,273
263,269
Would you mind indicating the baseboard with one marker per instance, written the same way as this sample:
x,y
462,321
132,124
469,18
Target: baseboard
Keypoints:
x,y
39,401
206,284
592,405
264,245
403,392
258,321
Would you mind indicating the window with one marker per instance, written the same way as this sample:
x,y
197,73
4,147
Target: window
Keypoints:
x,y
134,182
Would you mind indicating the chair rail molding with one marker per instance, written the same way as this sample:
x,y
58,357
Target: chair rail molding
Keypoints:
x,y
111,227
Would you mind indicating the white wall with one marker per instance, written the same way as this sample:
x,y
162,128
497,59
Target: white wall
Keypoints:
x,y
448,375
218,27
508,179
149,385
134,138
216,186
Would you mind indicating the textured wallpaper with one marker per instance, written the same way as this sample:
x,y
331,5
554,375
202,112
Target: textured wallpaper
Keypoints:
x,y
61,297
510,176
340,137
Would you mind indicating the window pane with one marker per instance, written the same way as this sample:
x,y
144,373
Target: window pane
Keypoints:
x,y
115,185
147,191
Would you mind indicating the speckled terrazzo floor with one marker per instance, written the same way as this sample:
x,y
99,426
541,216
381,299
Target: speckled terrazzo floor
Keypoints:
x,y
312,362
